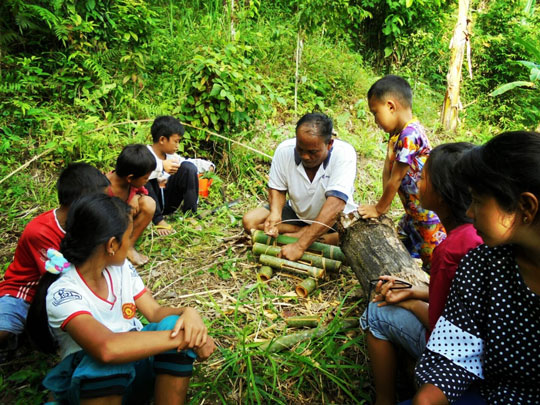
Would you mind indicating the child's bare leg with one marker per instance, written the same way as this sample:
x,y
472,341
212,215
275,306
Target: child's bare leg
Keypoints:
x,y
170,389
383,363
4,336
110,400
147,206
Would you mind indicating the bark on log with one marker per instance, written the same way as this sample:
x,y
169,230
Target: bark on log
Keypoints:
x,y
372,249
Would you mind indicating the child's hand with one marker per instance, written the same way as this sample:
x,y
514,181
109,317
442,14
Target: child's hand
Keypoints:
x,y
170,166
195,332
134,204
205,350
369,211
386,295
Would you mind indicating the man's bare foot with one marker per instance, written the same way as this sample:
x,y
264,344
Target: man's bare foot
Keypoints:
x,y
136,258
163,228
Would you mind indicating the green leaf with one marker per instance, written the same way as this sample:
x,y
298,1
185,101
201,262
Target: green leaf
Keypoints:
x,y
510,86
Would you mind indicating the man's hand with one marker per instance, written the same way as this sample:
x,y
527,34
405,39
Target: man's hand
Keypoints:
x,y
369,211
270,225
170,166
292,251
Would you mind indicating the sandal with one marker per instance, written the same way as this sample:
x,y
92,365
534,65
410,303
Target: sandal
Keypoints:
x,y
167,227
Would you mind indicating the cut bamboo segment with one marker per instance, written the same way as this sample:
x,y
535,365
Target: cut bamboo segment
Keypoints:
x,y
306,287
305,320
288,341
265,273
307,258
328,251
293,267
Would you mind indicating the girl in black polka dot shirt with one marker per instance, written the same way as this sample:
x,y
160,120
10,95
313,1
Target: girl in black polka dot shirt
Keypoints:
x,y
486,344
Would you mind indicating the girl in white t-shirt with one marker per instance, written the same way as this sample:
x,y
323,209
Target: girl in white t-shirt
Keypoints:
x,y
86,305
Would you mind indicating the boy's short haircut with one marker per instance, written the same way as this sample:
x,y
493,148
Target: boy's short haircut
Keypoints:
x,y
135,159
392,85
79,179
166,126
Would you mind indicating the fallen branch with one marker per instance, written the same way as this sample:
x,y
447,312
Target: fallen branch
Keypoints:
x,y
25,165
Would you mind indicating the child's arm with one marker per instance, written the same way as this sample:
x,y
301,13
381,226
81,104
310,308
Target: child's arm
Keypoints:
x,y
109,347
195,332
429,394
390,189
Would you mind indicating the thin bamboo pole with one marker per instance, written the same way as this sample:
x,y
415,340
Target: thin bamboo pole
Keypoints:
x,y
307,258
288,341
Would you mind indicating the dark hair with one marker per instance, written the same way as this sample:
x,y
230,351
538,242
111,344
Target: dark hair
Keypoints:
x,y
321,124
79,179
442,173
135,159
166,126
92,221
392,85
504,168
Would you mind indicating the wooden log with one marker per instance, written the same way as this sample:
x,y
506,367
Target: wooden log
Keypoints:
x,y
293,267
328,251
288,341
306,287
373,249
265,273
307,258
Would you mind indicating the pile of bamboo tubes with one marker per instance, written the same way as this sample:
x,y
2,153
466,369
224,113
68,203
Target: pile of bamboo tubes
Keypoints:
x,y
317,259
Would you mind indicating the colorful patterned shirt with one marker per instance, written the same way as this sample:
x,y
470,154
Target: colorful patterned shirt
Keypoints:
x,y
411,146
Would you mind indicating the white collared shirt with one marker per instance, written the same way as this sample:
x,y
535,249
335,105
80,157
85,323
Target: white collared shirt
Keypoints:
x,y
335,177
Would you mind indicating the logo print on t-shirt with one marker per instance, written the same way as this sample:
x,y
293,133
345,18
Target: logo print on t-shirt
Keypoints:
x,y
128,310
62,296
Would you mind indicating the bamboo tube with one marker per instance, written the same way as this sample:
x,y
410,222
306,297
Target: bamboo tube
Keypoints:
x,y
305,320
293,267
288,341
306,287
328,251
265,273
307,258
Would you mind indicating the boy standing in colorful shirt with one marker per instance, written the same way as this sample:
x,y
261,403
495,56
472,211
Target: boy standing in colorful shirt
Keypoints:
x,y
390,102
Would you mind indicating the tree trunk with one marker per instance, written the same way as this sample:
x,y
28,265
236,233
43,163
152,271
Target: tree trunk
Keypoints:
x,y
458,44
372,248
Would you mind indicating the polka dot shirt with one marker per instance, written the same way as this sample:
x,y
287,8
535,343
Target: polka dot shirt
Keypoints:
x,y
489,333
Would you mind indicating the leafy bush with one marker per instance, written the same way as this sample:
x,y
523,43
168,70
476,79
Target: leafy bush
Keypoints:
x,y
223,90
497,43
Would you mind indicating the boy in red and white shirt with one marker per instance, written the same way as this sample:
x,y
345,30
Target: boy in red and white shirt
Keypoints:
x,y
43,232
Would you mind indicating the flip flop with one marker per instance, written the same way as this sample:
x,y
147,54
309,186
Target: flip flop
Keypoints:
x,y
167,227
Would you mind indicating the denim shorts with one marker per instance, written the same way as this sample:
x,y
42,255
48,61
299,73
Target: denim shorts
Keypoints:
x,y
13,312
397,325
79,376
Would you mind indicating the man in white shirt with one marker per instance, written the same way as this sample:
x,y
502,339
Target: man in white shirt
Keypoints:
x,y
318,173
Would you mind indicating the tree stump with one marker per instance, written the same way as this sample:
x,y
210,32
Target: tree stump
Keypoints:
x,y
372,248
